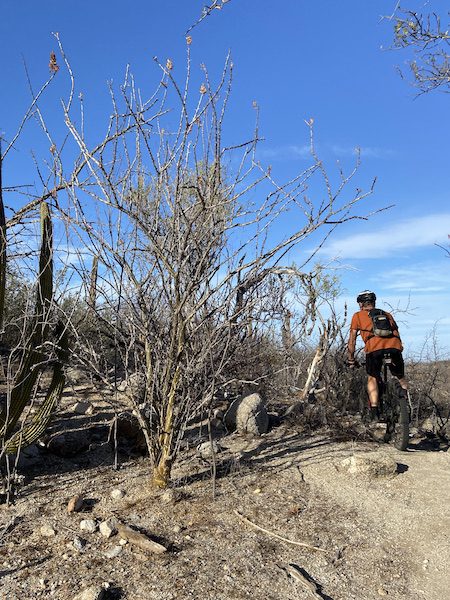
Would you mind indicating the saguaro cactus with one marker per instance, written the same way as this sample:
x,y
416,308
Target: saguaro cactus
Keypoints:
x,y
34,359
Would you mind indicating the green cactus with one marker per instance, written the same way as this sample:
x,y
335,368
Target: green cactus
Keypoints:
x,y
34,359
39,423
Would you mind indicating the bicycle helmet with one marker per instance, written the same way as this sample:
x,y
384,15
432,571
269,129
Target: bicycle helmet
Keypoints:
x,y
366,296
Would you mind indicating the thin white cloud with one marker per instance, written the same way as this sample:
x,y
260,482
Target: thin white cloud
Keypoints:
x,y
422,278
364,151
409,234
287,152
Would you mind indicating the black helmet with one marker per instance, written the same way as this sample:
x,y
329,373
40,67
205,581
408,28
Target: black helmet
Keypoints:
x,y
366,296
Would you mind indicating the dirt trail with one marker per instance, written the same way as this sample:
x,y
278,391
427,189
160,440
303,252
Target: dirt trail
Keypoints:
x,y
379,536
407,515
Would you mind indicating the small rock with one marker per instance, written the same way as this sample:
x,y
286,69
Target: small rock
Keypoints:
x,y
257,491
88,525
370,464
114,552
177,529
83,408
47,530
79,543
208,449
218,414
117,494
133,386
75,504
123,542
382,592
122,386
75,376
217,419
107,528
141,557
29,456
94,592
142,541
171,496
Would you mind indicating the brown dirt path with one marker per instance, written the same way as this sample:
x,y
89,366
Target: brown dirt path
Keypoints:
x,y
383,536
407,515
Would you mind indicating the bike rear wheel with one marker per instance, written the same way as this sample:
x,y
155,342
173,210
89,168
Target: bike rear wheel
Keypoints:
x,y
397,415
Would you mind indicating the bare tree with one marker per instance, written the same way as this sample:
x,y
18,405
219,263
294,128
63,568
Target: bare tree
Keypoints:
x,y
177,235
206,11
185,235
430,43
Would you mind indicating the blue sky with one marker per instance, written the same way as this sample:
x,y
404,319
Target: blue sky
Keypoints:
x,y
298,59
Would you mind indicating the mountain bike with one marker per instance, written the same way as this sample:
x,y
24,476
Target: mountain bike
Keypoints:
x,y
394,407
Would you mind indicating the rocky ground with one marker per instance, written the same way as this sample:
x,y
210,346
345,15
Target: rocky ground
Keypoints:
x,y
288,515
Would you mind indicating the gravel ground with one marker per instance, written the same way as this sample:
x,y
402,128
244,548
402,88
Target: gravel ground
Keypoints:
x,y
375,536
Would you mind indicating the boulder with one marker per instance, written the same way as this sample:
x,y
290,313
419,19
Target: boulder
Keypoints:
x,y
248,415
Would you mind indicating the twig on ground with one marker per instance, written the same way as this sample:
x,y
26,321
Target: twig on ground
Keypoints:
x,y
272,534
305,579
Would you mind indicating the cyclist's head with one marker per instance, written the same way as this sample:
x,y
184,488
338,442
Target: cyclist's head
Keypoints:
x,y
366,298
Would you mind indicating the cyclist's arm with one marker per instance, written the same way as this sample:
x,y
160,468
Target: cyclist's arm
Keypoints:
x,y
352,345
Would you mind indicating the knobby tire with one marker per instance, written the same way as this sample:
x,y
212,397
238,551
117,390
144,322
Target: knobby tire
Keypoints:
x,y
397,416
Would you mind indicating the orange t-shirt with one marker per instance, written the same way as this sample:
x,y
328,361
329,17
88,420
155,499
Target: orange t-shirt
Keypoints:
x,y
362,323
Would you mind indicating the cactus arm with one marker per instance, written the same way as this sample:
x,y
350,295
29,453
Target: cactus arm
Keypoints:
x,y
39,423
32,432
21,393
34,360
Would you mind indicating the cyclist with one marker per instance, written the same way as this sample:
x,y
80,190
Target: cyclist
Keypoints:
x,y
376,346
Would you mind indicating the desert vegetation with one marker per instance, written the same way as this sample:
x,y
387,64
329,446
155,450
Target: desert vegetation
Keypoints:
x,y
170,275
150,304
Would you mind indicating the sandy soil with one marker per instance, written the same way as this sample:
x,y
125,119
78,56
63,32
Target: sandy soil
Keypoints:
x,y
378,536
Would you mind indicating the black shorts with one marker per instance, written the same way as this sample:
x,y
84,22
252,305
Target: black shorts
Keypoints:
x,y
374,362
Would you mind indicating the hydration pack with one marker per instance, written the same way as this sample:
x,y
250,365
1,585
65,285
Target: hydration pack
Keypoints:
x,y
381,324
